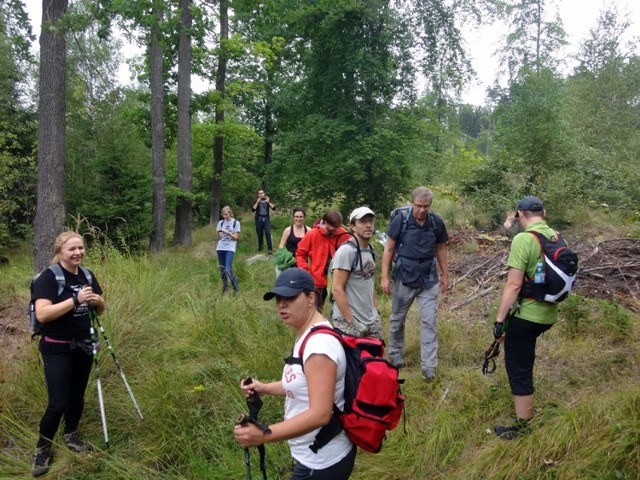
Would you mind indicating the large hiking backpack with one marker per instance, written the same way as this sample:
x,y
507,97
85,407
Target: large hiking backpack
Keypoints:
x,y
373,402
405,211
57,271
560,266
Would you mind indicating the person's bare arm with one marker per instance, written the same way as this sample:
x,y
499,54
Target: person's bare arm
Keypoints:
x,y
387,257
321,373
285,235
338,285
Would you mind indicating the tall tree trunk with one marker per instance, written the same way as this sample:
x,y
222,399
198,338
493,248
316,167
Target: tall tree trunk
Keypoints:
x,y
269,132
50,210
269,124
158,206
182,231
538,34
218,143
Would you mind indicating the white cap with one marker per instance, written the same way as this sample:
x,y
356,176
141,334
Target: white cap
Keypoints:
x,y
360,212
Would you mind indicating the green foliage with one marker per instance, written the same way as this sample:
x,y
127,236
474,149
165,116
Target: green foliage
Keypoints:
x,y
534,41
108,174
242,150
492,190
603,95
18,131
597,318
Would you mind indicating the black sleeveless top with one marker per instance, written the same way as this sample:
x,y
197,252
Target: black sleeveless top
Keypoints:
x,y
293,241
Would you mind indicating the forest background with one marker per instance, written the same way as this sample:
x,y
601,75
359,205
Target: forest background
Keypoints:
x,y
327,103
317,103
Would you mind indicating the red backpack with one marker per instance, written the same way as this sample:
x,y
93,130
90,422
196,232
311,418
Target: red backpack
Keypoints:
x,y
373,402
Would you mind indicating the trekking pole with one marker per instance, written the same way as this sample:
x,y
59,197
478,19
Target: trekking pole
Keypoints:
x,y
489,364
103,415
243,420
255,404
115,360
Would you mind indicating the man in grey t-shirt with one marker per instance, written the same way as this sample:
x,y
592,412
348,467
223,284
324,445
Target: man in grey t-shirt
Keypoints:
x,y
355,308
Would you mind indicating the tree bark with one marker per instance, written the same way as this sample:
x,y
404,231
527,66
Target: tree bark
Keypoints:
x,y
218,143
184,222
50,208
158,207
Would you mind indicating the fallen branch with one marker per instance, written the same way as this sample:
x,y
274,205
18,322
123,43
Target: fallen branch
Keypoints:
x,y
471,298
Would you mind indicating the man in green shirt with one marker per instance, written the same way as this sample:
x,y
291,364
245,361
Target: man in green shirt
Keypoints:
x,y
531,319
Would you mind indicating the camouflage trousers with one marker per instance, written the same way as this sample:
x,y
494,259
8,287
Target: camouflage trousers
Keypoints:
x,y
359,329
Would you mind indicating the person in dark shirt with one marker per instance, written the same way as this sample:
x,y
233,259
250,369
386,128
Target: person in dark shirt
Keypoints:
x,y
261,208
418,243
65,345
292,235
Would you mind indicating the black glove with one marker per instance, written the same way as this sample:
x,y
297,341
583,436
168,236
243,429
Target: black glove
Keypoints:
x,y
498,330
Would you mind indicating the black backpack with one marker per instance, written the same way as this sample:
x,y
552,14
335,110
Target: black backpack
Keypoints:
x,y
560,267
57,271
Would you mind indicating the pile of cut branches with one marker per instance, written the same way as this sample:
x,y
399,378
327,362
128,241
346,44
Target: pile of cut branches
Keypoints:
x,y
609,269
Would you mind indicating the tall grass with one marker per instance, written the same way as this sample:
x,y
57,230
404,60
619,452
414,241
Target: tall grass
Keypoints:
x,y
184,346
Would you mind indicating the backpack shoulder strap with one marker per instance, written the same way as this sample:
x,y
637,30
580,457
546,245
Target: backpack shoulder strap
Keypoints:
x,y
57,271
87,274
405,212
431,218
542,239
297,360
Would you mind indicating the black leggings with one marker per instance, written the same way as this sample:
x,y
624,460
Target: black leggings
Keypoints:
x,y
520,353
66,376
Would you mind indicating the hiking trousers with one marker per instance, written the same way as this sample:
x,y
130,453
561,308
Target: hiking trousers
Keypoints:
x,y
263,226
520,353
66,375
402,298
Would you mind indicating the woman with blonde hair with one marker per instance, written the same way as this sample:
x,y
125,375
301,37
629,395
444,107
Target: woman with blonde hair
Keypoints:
x,y
228,230
64,294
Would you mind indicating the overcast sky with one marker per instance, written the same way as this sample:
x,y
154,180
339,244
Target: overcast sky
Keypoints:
x,y
578,16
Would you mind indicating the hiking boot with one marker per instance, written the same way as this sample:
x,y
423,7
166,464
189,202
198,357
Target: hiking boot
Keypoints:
x,y
41,460
396,361
429,374
511,432
76,443
270,252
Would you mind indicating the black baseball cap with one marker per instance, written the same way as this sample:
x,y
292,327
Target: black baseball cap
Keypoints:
x,y
290,283
531,204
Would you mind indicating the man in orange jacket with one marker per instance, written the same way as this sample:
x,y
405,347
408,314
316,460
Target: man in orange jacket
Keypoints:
x,y
316,249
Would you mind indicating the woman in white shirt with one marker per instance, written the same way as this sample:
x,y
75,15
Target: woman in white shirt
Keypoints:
x,y
309,392
228,230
